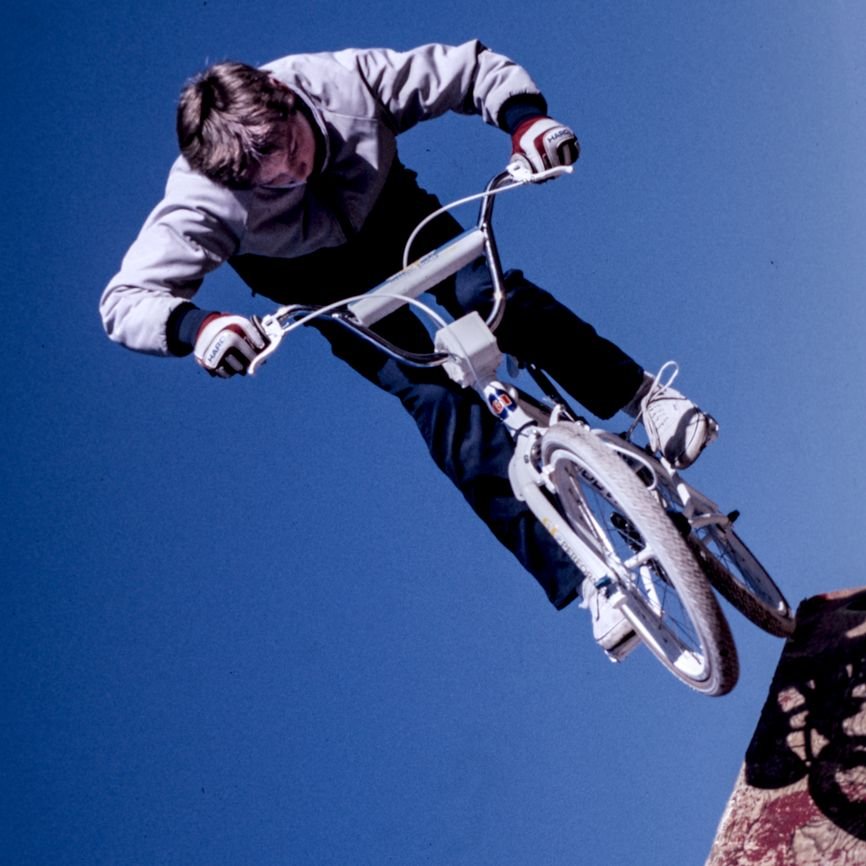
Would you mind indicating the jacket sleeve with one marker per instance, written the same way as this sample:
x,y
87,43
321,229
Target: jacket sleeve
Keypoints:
x,y
430,80
195,228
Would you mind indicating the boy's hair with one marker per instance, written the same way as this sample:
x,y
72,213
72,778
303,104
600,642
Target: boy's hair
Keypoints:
x,y
229,118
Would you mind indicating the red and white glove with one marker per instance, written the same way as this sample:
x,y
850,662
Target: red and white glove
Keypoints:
x,y
540,143
226,344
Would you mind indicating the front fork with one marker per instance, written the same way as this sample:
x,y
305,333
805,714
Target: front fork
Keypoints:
x,y
473,359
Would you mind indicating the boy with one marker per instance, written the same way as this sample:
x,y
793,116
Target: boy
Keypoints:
x,y
290,174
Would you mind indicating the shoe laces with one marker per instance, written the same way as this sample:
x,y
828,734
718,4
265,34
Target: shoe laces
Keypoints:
x,y
592,596
658,386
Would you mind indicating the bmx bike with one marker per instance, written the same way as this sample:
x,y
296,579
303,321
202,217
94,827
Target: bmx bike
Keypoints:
x,y
625,516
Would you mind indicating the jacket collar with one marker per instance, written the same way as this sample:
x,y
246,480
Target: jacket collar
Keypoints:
x,y
314,115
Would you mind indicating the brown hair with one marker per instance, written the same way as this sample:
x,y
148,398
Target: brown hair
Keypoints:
x,y
229,118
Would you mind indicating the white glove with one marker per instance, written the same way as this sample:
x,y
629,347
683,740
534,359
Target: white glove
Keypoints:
x,y
540,143
226,344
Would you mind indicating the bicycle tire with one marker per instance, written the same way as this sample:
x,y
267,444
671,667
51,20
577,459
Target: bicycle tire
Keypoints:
x,y
740,578
667,597
730,566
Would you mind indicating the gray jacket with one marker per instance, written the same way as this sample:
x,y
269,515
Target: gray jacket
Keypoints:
x,y
360,100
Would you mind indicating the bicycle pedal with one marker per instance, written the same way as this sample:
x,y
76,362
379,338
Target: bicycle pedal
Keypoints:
x,y
623,649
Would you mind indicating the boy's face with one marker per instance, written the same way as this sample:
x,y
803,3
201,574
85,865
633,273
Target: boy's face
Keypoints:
x,y
292,163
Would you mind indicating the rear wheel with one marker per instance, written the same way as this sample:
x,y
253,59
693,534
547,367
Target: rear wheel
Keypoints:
x,y
666,595
738,575
727,562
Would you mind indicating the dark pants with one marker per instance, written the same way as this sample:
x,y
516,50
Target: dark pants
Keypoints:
x,y
464,438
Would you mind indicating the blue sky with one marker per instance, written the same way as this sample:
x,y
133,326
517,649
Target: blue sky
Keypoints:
x,y
248,622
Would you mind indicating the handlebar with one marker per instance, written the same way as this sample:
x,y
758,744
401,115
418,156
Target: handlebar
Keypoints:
x,y
359,313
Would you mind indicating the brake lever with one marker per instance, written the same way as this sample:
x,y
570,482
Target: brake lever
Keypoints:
x,y
270,328
521,172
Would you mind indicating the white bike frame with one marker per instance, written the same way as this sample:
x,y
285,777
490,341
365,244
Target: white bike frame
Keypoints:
x,y
468,351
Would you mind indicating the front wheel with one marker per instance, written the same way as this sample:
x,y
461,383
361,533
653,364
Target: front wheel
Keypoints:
x,y
667,598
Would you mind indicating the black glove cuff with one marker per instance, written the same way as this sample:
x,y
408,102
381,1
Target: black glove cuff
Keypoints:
x,y
182,326
518,108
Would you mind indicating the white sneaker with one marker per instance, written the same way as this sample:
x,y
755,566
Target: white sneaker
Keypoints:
x,y
674,425
611,630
